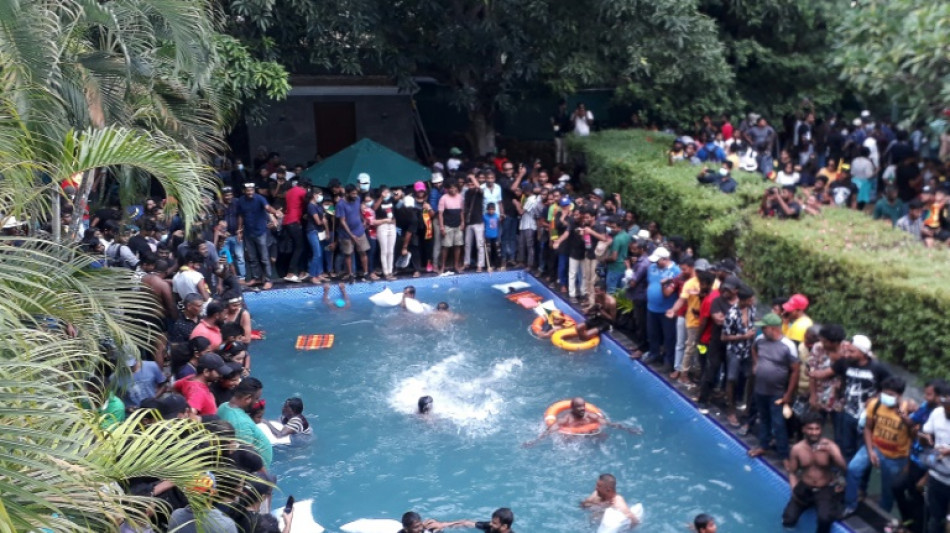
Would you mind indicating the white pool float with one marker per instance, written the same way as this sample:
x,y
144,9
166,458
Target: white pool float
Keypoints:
x,y
509,287
372,525
274,440
303,518
386,298
416,307
614,521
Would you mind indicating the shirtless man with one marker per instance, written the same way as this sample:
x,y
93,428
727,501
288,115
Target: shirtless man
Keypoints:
x,y
810,476
155,280
556,323
605,496
602,314
580,416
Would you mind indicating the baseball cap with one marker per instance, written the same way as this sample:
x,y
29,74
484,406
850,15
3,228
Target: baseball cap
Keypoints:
x,y
363,178
419,186
862,343
565,201
455,151
731,283
927,188
436,177
599,192
643,234
659,253
564,178
212,361
770,319
798,302
726,265
230,369
702,265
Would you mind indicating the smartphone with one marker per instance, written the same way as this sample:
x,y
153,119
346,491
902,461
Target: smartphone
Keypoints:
x,y
290,504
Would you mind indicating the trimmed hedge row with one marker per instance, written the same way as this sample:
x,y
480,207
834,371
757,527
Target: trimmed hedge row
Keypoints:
x,y
857,272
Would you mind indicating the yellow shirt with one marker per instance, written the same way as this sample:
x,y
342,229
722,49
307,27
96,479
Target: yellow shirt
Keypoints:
x,y
690,293
890,435
796,330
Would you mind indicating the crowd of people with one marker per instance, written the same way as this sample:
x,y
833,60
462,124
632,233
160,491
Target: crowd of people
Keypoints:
x,y
778,375
895,175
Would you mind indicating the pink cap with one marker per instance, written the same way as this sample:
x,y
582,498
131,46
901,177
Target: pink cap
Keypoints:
x,y
798,302
419,186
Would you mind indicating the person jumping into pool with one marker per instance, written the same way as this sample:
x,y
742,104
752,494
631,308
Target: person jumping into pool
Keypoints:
x,y
601,315
579,416
605,497
343,302
425,407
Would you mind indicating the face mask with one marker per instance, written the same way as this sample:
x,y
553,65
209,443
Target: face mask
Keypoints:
x,y
723,172
387,196
610,231
364,187
319,198
887,400
368,202
241,167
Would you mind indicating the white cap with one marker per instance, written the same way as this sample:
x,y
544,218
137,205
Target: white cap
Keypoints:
x,y
436,177
11,222
865,114
408,201
862,343
564,178
856,122
643,234
363,178
659,253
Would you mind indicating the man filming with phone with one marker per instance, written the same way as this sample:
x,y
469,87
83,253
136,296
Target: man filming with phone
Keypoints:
x,y
780,202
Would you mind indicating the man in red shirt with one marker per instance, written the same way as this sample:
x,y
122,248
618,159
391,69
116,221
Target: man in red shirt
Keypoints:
x,y
210,326
195,388
295,201
726,128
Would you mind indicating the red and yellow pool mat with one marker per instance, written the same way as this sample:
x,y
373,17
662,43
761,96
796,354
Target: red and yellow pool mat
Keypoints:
x,y
314,342
525,299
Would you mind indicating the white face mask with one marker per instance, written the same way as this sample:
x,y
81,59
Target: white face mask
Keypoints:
x,y
887,400
364,187
319,198
723,172
241,166
387,196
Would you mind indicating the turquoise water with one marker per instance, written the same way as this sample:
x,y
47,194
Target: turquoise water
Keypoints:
x,y
491,381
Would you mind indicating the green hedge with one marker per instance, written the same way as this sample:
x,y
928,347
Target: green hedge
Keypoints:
x,y
857,272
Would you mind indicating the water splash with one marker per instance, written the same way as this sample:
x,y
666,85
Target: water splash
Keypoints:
x,y
465,395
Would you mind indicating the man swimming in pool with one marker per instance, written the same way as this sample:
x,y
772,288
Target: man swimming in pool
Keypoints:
x,y
425,405
601,315
579,416
605,497
343,302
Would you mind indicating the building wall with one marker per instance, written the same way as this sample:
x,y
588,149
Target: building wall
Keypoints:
x,y
291,131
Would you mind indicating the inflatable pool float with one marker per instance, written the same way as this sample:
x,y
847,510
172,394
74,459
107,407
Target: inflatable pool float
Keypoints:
x,y
303,518
614,521
275,440
372,525
556,408
566,339
538,325
386,298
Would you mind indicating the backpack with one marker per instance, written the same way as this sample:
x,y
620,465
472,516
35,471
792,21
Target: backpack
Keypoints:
x,y
114,256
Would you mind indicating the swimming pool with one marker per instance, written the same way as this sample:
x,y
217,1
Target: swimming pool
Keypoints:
x,y
491,381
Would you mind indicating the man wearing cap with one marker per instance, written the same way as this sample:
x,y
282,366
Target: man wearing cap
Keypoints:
x,y
661,295
210,326
796,321
196,389
862,376
776,366
363,181
252,211
453,163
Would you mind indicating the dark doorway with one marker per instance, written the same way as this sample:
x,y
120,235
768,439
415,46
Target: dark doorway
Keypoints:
x,y
335,124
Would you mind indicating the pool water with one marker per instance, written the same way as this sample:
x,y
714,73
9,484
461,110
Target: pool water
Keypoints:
x,y
491,381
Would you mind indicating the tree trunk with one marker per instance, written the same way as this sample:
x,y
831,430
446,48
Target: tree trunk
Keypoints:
x,y
481,132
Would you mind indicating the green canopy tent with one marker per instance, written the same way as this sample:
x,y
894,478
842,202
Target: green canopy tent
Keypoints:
x,y
384,166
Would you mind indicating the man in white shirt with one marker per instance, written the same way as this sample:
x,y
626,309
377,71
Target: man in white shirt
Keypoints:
x,y
583,120
528,225
937,431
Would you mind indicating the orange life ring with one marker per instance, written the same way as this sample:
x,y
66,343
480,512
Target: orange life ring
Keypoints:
x,y
556,408
538,324
566,339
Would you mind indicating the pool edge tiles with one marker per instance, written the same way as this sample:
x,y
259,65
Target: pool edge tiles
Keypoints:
x,y
681,405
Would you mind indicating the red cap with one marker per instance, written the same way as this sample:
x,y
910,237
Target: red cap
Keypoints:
x,y
798,302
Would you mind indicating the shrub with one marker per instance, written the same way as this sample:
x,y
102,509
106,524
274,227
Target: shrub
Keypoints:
x,y
857,272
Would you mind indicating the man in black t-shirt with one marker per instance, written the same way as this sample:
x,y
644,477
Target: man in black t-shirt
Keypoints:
x,y
716,350
473,203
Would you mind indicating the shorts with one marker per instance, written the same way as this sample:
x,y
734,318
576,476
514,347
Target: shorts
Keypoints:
x,y
599,323
453,237
346,245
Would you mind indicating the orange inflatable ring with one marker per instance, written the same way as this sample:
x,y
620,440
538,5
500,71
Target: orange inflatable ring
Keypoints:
x,y
538,324
556,408
566,339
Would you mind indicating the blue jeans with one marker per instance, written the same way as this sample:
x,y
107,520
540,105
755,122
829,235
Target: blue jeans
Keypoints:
x,y
661,334
509,239
771,424
765,164
680,342
890,469
236,247
315,267
847,436
562,262
613,281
